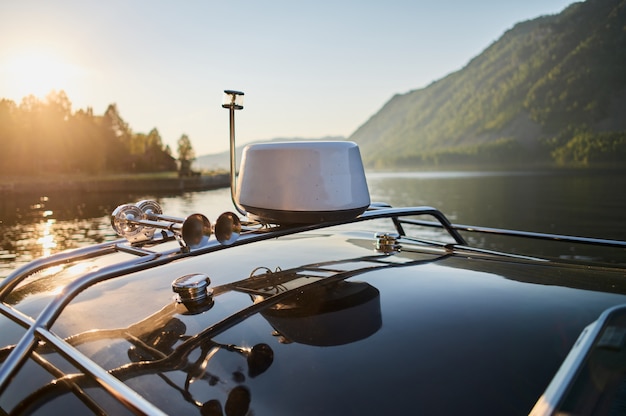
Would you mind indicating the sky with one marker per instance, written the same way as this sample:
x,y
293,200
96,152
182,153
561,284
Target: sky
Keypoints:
x,y
308,69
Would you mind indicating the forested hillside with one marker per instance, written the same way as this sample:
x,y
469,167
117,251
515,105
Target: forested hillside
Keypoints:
x,y
550,90
45,137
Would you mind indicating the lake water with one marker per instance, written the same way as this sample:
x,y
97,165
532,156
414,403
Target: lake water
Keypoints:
x,y
579,203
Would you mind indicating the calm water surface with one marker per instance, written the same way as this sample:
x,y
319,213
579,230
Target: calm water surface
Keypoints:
x,y
591,204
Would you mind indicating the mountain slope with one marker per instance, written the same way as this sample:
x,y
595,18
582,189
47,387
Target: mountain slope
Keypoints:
x,y
543,86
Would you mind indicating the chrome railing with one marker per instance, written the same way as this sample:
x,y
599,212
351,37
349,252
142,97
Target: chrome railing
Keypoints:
x,y
229,231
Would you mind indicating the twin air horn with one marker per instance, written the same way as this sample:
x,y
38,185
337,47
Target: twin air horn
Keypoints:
x,y
138,222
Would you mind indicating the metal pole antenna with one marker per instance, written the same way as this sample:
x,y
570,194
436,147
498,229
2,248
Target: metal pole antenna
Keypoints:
x,y
233,100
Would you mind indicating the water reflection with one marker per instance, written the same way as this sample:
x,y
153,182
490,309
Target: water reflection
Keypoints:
x,y
576,203
33,226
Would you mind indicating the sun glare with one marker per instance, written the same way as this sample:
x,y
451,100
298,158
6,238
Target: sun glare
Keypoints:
x,y
37,73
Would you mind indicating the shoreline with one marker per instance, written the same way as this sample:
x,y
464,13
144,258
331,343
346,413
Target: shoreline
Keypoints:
x,y
113,183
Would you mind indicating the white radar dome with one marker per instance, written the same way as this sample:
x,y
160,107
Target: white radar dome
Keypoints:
x,y
302,182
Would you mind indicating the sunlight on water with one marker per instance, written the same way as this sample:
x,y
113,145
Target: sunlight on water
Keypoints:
x,y
32,227
47,239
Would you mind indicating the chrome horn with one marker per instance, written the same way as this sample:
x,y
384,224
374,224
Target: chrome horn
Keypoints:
x,y
193,230
136,225
138,222
125,220
227,228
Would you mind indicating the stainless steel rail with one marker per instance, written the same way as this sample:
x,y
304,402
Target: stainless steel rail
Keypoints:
x,y
523,234
11,281
112,385
39,329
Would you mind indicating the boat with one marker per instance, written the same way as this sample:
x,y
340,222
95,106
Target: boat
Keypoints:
x,y
310,299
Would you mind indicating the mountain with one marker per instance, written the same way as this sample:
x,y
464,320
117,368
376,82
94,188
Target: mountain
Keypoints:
x,y
550,90
221,161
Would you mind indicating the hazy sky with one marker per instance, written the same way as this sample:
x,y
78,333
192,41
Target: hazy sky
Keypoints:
x,y
308,69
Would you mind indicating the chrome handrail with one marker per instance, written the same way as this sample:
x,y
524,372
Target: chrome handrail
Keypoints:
x,y
120,245
38,329
49,314
523,234
8,283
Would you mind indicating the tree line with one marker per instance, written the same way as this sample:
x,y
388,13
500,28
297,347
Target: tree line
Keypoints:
x,y
45,137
